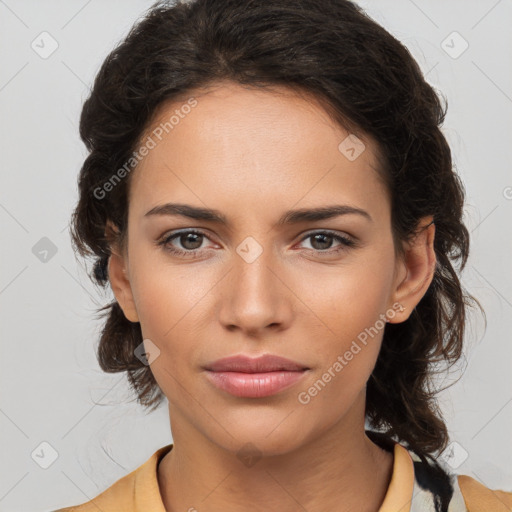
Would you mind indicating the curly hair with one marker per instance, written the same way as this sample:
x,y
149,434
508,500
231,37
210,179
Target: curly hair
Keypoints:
x,y
370,84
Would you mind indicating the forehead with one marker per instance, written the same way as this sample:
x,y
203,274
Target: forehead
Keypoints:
x,y
262,147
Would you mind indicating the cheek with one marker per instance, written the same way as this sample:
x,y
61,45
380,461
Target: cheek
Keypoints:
x,y
168,318
349,299
347,353
165,317
349,306
170,302
166,295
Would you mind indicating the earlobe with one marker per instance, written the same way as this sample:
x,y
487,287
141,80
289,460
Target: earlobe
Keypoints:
x,y
419,264
120,284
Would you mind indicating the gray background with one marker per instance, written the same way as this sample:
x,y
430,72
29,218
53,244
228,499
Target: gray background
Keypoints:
x,y
53,390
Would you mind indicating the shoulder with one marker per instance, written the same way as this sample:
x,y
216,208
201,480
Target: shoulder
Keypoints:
x,y
479,497
118,495
435,483
133,491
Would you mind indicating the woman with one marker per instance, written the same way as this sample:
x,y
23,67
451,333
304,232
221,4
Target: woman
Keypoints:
x,y
271,199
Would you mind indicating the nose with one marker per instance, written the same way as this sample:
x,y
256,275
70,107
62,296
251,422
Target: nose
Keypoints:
x,y
255,297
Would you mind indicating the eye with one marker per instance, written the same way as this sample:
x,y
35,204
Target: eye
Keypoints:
x,y
190,239
321,241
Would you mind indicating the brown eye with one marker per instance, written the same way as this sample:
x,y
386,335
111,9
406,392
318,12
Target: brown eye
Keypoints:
x,y
321,242
189,240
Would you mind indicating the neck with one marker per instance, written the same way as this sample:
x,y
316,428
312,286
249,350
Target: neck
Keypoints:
x,y
342,470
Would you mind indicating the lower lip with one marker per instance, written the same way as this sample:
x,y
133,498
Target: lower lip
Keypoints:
x,y
254,385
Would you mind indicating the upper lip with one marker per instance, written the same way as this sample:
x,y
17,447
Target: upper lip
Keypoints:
x,y
246,364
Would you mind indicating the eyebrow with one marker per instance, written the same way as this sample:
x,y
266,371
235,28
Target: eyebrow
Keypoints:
x,y
289,217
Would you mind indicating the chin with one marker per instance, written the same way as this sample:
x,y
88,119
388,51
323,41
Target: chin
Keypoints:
x,y
254,443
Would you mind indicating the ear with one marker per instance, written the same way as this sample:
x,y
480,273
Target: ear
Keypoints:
x,y
418,266
118,277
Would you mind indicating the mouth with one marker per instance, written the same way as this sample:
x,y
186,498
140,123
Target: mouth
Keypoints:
x,y
247,377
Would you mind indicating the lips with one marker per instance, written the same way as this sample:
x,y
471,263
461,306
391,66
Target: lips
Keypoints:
x,y
262,364
247,377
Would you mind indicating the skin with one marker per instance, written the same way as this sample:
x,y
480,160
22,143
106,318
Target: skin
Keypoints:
x,y
253,155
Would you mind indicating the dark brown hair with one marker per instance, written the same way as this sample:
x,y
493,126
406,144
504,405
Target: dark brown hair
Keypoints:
x,y
370,83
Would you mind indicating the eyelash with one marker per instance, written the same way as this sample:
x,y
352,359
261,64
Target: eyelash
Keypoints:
x,y
346,243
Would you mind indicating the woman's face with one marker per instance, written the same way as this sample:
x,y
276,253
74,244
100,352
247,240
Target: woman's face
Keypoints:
x,y
255,285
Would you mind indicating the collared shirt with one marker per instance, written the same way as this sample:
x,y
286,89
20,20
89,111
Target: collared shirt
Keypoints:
x,y
416,486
